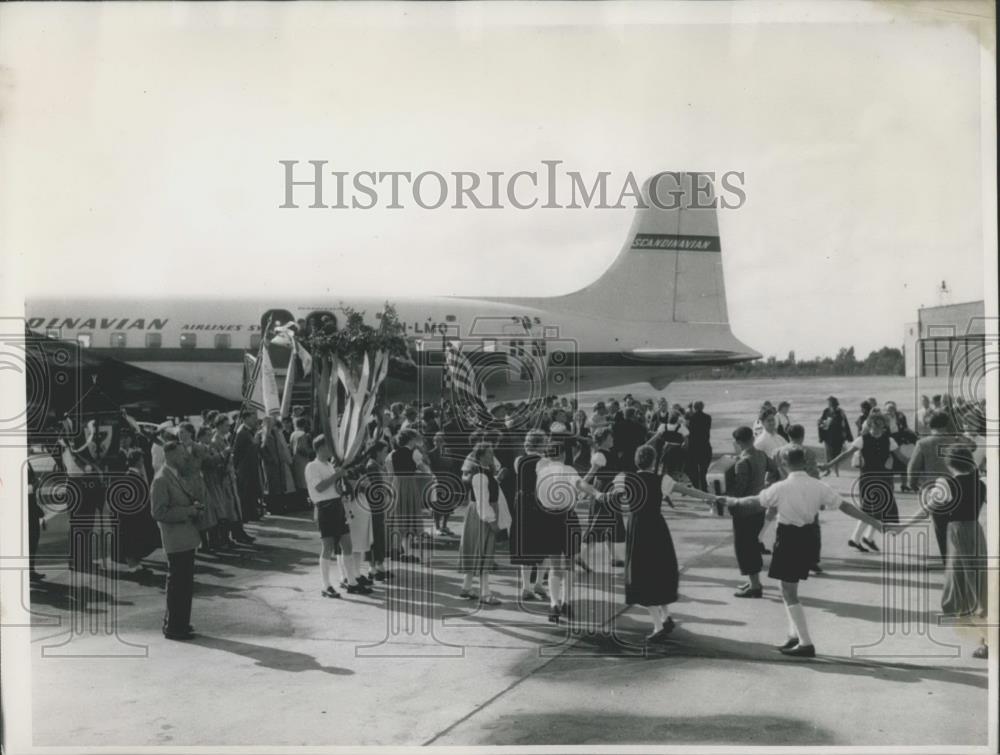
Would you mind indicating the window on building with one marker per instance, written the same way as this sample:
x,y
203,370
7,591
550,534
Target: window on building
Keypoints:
x,y
154,340
222,340
119,340
189,340
83,339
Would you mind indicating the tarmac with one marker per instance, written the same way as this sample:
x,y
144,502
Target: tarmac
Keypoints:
x,y
274,663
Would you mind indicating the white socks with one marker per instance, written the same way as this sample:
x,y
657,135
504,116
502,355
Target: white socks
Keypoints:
x,y
324,569
657,617
797,617
347,568
856,537
869,531
555,587
793,632
525,578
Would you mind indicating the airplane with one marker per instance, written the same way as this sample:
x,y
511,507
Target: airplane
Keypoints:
x,y
657,312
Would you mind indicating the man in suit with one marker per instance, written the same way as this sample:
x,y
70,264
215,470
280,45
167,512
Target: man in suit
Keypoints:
x,y
246,459
747,477
176,507
628,434
699,455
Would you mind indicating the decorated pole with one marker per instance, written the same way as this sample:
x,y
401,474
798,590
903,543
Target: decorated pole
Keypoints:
x,y
355,359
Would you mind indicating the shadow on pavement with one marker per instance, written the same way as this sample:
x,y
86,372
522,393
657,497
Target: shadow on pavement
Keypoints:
x,y
269,657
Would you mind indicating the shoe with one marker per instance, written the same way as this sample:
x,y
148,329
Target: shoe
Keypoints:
x,y
527,595
789,644
379,576
490,600
365,581
764,550
359,589
668,626
655,637
554,615
870,543
36,576
749,592
816,569
468,595
540,592
343,582
329,592
857,546
800,651
182,636
245,540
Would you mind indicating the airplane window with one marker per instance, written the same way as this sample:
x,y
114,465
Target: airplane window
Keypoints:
x,y
119,340
189,340
83,339
154,340
449,318
54,333
222,340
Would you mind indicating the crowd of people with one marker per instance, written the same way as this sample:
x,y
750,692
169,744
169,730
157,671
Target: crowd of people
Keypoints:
x,y
562,490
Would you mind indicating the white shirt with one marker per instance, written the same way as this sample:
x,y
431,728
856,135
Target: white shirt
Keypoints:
x,y
556,485
769,443
316,471
798,499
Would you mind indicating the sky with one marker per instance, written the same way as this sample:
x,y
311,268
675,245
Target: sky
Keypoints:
x,y
140,149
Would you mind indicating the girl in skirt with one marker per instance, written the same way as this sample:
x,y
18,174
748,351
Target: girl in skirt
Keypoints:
x,y
877,453
651,572
486,516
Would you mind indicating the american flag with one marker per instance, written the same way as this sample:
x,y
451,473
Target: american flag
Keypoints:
x,y
459,380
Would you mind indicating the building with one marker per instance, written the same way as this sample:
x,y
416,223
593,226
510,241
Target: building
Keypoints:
x,y
946,340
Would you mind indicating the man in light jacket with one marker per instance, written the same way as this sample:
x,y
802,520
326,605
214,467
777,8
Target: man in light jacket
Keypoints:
x,y
176,507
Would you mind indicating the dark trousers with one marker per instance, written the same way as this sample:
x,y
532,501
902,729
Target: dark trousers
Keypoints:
x,y
941,532
249,502
698,463
746,541
180,591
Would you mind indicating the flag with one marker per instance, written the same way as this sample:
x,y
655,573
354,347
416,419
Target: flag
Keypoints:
x,y
269,384
461,382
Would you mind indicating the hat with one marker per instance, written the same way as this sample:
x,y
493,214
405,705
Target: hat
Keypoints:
x,y
164,426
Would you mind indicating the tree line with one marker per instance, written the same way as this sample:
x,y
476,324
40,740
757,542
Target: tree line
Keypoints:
x,y
885,361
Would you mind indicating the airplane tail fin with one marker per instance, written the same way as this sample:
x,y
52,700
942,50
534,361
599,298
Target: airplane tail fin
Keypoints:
x,y
670,268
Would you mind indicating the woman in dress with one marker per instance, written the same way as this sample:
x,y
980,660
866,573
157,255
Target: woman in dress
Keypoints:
x,y
960,500
215,476
651,572
138,535
376,491
486,516
528,520
230,521
877,452
834,431
198,457
405,519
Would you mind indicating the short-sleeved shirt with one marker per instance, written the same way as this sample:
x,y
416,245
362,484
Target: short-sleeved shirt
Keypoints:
x,y
799,499
316,471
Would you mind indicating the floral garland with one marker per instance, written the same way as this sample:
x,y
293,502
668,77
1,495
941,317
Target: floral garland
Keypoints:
x,y
356,338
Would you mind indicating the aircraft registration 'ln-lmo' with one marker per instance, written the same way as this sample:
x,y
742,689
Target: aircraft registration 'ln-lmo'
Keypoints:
x,y
659,311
